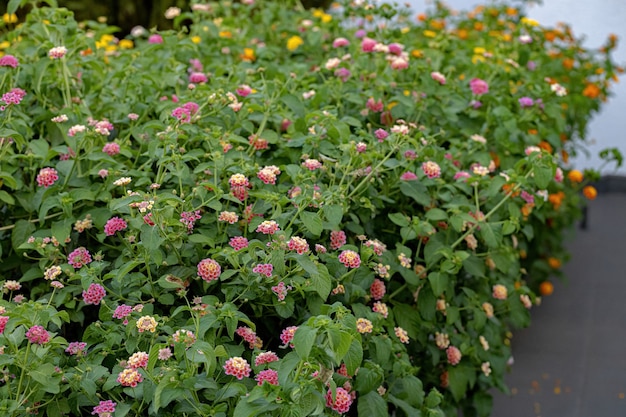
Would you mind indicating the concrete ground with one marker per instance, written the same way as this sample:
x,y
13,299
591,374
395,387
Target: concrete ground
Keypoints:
x,y
571,361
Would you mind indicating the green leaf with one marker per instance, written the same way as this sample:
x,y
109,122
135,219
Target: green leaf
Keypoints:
x,y
339,130
474,266
150,238
340,342
508,227
426,304
353,357
333,214
399,219
13,5
368,379
434,398
21,232
44,376
483,402
303,341
7,198
294,104
458,380
408,409
372,404
438,282
412,390
39,147
436,214
312,222
490,234
417,191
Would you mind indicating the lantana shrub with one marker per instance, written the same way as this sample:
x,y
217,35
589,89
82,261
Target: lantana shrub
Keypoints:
x,y
279,212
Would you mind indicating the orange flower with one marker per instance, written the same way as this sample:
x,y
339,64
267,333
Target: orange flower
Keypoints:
x,y
527,209
554,263
556,199
565,155
478,26
438,24
532,131
545,146
563,137
421,17
546,288
522,254
590,192
550,35
575,176
495,158
463,34
592,91
568,63
248,55
511,11
508,189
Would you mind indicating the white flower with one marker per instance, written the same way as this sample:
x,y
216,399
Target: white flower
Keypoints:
x,y
122,181
172,12
478,138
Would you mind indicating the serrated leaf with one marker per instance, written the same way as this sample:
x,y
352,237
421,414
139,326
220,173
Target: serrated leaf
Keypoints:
x,y
458,380
542,176
368,380
353,357
312,222
303,341
436,214
490,235
438,282
372,404
399,219
7,198
417,191
333,214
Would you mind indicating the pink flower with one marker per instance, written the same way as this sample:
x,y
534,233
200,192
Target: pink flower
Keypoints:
x,y
431,169
14,96
298,244
401,334
268,174
528,198
238,180
408,176
526,102
129,377
155,38
377,289
198,78
281,290
247,334
238,242
375,106
399,63
499,292
340,42
454,355
479,87
312,164
364,325
268,375
337,239
350,259
228,217
111,148
368,45
184,336
9,61
461,175
133,116
237,367
265,357
381,134
264,269
244,90
287,335
104,408
121,312
188,218
57,52
138,360
3,323
395,48
79,257
38,335
209,270
164,354
103,173
268,227
47,177
361,147
94,294
380,308
439,77
114,225
558,176
342,402
343,74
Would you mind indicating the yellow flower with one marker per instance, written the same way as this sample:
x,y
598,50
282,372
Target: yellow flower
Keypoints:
x,y
430,33
126,44
530,22
326,18
196,39
248,55
4,44
479,50
294,42
9,18
478,58
405,30
225,34
416,53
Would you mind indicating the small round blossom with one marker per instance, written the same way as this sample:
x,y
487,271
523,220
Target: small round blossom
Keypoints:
x,y
265,357
340,42
442,340
264,269
405,261
60,118
337,239
172,12
381,134
287,334
198,78
281,290
132,116
531,149
189,218
79,257
129,377
408,176
479,87
9,61
244,90
377,246
526,102
380,308
454,355
361,147
461,175
488,309
558,89
268,174
247,334
478,138
57,52
57,285
228,217
431,169
486,368
114,225
122,181
312,164
111,148
268,375
121,312
3,323
320,248
94,294
138,360
480,170
164,354
439,77
268,227
342,402
146,323
401,334
12,285
155,38
499,292
238,242
298,244
104,408
350,259
484,342
364,325
47,177
525,299
38,335
377,289
237,367
209,270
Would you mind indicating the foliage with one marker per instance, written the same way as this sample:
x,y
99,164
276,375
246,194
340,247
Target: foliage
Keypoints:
x,y
282,212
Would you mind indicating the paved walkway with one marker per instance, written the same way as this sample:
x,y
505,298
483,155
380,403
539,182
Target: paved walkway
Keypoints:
x,y
571,361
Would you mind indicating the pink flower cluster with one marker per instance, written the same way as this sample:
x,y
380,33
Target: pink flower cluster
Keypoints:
x,y
312,164
79,257
238,242
111,148
228,217
121,312
94,294
265,357
3,323
268,174
38,335
237,367
454,355
268,227
380,308
350,259
104,408
247,334
9,61
188,218
298,244
431,169
377,289
184,112
337,239
129,377
209,270
341,402
47,177
138,360
264,269
479,87
184,336
268,375
281,290
287,334
114,225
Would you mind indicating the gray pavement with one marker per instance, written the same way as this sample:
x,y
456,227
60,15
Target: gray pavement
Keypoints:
x,y
571,361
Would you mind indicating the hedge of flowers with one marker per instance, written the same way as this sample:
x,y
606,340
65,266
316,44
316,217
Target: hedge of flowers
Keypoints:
x,y
275,211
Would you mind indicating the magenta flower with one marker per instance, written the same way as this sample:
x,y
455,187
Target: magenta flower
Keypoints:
x,y
111,148
114,225
368,45
155,38
342,402
337,239
79,257
350,259
198,78
47,177
237,367
76,348
431,169
287,335
38,335
408,176
264,269
9,61
526,102
3,323
265,357
209,270
268,375
381,134
339,42
238,242
94,294
104,408
479,87
244,90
